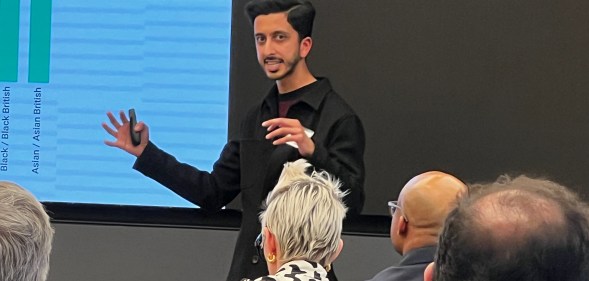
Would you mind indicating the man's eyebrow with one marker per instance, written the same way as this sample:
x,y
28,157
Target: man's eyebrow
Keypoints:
x,y
273,33
279,32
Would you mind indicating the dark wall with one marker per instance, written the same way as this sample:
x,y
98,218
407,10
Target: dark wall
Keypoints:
x,y
153,253
474,88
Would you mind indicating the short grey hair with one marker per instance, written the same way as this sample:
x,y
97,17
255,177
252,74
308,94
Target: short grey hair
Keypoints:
x,y
305,213
25,235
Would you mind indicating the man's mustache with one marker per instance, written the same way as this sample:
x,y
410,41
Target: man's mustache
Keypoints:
x,y
272,59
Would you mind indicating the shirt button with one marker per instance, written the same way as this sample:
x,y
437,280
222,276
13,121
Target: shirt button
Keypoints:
x,y
255,259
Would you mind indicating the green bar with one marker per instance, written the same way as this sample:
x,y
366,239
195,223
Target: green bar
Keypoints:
x,y
40,41
9,15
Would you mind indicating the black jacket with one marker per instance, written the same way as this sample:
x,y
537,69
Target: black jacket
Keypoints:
x,y
251,165
410,268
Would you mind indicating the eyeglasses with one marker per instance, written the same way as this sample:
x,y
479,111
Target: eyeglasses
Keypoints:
x,y
393,206
259,246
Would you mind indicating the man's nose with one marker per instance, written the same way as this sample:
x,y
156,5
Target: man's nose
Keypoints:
x,y
268,48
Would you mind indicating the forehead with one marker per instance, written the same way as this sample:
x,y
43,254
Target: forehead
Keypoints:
x,y
265,24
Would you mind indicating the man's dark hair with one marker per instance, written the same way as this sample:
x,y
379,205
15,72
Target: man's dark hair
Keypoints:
x,y
300,13
520,229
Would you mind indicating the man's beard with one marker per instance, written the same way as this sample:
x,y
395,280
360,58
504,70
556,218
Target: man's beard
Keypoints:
x,y
291,66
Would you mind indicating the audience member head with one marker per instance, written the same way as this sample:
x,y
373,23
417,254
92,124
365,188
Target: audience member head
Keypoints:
x,y
303,218
25,235
300,13
424,202
520,229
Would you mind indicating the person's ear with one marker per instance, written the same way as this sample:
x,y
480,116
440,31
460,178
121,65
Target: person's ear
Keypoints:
x,y
334,256
269,241
428,273
401,225
340,246
305,47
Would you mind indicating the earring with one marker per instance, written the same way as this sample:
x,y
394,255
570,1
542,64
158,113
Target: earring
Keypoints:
x,y
271,258
328,267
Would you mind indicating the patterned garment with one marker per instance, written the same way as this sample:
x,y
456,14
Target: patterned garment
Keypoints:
x,y
297,271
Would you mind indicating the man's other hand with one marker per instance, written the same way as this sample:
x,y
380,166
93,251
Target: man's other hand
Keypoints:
x,y
285,130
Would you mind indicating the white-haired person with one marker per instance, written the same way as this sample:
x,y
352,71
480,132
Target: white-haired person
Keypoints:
x,y
301,224
25,235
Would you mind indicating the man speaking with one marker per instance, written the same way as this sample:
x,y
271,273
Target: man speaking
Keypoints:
x,y
301,117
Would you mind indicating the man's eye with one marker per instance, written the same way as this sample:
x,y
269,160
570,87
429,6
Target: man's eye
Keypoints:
x,y
280,37
260,39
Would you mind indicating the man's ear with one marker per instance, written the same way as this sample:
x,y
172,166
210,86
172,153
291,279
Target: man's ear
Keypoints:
x,y
401,225
305,47
428,273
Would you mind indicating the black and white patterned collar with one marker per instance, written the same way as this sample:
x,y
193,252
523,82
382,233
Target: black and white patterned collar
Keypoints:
x,y
297,270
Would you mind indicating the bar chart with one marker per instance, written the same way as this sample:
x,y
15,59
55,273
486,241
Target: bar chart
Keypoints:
x,y
39,40
9,12
64,64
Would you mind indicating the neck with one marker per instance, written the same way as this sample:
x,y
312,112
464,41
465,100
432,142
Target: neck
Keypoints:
x,y
300,77
273,267
419,241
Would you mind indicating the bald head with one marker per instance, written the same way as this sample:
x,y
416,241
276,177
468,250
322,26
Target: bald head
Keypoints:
x,y
427,198
425,201
507,218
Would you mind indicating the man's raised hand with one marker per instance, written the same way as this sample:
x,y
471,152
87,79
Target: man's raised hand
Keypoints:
x,y
121,131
